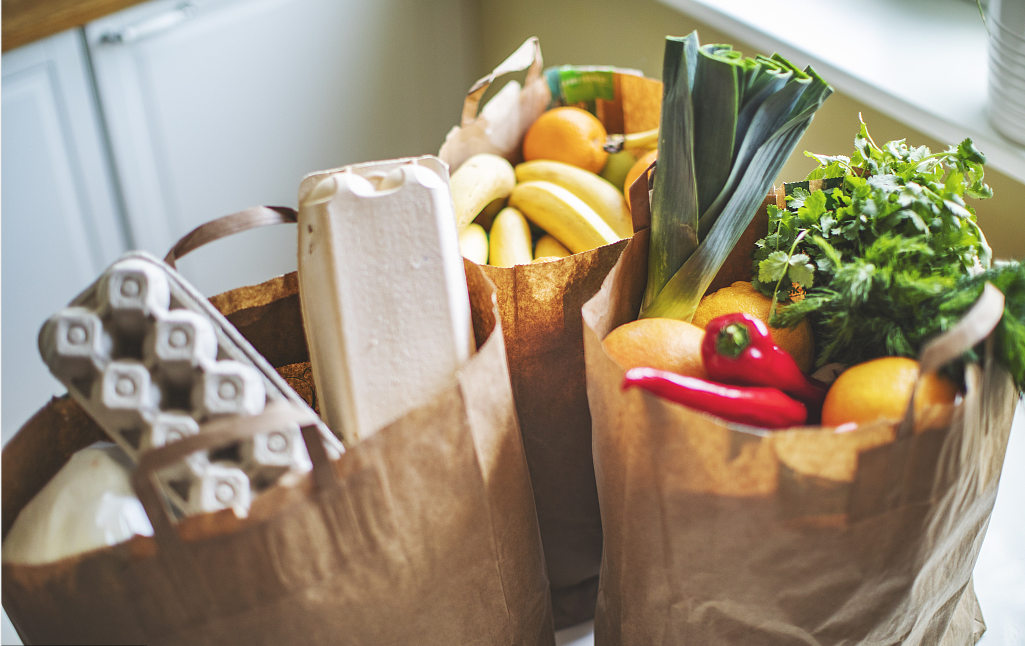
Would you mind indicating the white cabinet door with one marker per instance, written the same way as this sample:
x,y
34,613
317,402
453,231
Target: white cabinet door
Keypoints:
x,y
216,105
61,222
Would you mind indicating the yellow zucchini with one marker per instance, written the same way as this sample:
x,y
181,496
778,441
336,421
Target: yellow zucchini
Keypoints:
x,y
473,243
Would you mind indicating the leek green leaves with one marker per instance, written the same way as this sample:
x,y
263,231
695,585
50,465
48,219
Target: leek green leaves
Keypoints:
x,y
728,125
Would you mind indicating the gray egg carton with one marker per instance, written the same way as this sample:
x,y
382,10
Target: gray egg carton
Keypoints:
x,y
150,360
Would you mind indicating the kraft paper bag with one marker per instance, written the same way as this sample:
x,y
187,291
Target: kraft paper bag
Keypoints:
x,y
540,310
717,533
423,534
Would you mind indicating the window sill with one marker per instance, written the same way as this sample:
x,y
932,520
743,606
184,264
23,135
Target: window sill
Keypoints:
x,y
921,62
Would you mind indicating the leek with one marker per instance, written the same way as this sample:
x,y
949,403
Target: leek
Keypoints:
x,y
715,119
728,125
674,239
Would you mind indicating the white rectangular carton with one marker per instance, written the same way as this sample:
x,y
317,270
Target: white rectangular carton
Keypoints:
x,y
383,290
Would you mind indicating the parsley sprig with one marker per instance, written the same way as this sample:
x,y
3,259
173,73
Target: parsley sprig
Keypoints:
x,y
887,253
893,191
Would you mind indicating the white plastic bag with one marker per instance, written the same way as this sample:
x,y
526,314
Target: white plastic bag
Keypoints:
x,y
87,505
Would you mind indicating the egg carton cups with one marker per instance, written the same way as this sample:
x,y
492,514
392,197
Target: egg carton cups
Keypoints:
x,y
150,360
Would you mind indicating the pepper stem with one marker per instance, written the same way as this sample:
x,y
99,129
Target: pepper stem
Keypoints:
x,y
732,340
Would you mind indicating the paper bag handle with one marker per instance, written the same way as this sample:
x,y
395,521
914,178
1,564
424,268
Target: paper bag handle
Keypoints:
x,y
251,218
185,574
973,328
527,56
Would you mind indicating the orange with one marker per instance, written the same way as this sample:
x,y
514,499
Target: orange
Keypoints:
x,y
666,344
635,171
741,296
570,135
880,389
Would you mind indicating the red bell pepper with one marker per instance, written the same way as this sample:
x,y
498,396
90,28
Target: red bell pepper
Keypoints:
x,y
738,349
756,406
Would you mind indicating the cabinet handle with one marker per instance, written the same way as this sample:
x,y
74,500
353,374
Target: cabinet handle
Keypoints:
x,y
150,26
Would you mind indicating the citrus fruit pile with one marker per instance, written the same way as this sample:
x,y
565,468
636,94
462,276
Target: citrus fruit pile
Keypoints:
x,y
664,343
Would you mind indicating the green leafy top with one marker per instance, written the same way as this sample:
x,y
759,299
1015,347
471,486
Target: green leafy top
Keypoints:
x,y
893,191
728,125
886,254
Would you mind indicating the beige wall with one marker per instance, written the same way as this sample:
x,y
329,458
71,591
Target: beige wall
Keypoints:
x,y
629,33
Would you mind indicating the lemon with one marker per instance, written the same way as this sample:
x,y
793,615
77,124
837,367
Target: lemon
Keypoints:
x,y
741,296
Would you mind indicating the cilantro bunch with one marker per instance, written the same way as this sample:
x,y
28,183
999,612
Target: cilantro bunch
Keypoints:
x,y
886,253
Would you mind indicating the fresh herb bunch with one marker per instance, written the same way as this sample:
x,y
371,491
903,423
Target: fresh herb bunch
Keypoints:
x,y
887,254
895,191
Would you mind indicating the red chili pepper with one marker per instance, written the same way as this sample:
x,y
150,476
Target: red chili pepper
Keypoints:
x,y
756,406
738,349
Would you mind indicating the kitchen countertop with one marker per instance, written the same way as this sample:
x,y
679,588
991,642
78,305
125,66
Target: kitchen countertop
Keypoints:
x,y
25,21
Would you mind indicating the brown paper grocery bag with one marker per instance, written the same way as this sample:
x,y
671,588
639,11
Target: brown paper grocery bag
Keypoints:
x,y
540,310
423,534
717,533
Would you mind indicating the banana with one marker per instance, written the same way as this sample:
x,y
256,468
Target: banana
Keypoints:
x,y
636,142
564,215
641,142
510,239
597,192
547,246
473,243
480,180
